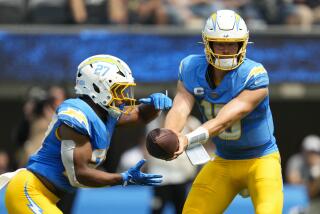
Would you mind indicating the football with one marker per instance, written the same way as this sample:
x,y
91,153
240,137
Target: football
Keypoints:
x,y
162,143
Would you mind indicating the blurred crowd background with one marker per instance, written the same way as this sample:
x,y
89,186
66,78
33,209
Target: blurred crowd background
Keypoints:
x,y
42,42
257,13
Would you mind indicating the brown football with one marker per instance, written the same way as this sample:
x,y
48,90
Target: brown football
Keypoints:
x,y
162,143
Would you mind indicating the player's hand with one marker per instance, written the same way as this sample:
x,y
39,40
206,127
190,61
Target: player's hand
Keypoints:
x,y
135,176
159,100
183,144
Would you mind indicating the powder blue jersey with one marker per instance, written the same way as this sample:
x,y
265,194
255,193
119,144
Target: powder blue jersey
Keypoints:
x,y
78,115
250,137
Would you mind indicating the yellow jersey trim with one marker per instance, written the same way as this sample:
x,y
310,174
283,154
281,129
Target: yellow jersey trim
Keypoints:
x,y
256,71
57,135
78,115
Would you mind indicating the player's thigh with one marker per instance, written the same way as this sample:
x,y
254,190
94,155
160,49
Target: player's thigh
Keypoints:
x,y
212,190
265,184
22,197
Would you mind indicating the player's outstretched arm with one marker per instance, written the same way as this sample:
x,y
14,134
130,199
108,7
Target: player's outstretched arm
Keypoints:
x,y
181,108
135,176
235,110
148,110
76,154
178,115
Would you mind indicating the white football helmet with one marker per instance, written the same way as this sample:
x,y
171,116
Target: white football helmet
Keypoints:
x,y
225,26
108,81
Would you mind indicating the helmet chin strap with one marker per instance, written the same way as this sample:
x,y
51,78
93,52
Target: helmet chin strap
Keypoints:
x,y
227,63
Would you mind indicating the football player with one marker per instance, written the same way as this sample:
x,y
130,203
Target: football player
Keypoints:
x,y
78,139
232,92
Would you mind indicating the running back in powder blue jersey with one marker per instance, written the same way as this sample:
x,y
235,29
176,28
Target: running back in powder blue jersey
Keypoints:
x,y
78,115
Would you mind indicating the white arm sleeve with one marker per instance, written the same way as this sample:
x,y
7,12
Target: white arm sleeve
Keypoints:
x,y
67,149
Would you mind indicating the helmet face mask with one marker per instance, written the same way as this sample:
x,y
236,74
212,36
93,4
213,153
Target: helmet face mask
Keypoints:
x,y
108,81
225,26
122,95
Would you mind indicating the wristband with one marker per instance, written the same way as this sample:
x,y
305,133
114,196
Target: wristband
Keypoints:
x,y
200,135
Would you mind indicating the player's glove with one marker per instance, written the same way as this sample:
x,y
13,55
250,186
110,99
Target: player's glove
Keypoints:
x,y
159,100
135,176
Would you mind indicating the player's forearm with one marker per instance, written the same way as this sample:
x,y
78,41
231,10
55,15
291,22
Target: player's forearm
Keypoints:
x,y
181,108
175,120
228,115
235,110
96,178
141,114
147,113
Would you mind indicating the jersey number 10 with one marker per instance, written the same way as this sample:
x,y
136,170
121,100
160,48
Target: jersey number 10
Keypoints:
x,y
211,110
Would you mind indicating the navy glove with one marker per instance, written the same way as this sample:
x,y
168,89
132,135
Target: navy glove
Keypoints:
x,y
135,176
159,100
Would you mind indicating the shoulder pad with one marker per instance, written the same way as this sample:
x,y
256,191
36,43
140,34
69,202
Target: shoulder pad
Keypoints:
x,y
75,119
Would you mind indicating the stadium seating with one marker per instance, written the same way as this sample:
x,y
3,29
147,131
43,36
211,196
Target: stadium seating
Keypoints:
x,y
12,11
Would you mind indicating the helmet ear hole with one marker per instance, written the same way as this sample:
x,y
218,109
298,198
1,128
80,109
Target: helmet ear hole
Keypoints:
x,y
96,88
120,73
225,26
104,79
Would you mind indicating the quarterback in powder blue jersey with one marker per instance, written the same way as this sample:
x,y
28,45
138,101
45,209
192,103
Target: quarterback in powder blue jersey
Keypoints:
x,y
232,94
78,139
